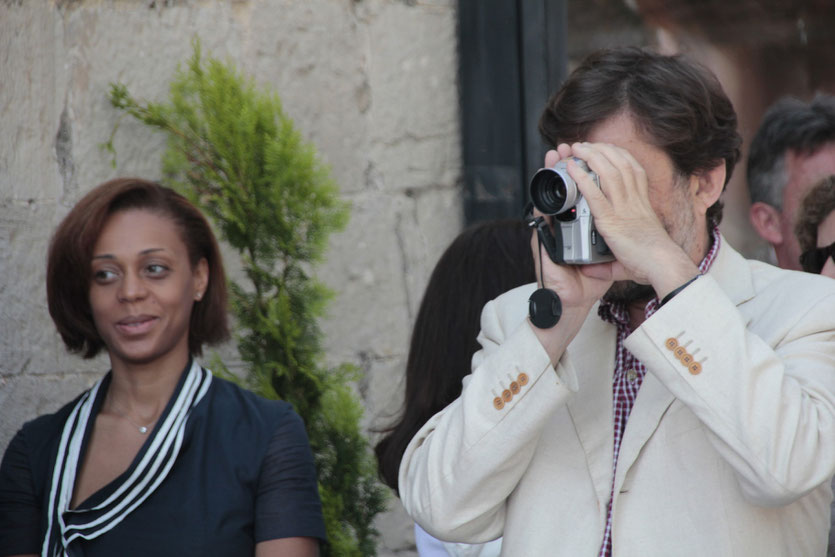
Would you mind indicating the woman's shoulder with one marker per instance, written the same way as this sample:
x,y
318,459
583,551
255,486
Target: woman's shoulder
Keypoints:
x,y
250,422
47,427
234,398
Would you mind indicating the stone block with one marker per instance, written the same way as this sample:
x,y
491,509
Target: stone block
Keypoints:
x,y
438,219
25,397
381,387
313,54
414,140
365,267
30,108
144,49
378,268
28,339
397,534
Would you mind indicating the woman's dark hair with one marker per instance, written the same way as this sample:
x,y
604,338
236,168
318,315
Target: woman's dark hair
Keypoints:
x,y
814,209
481,263
68,271
679,106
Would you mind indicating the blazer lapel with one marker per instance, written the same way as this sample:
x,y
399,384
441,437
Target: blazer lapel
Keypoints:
x,y
650,405
592,353
734,276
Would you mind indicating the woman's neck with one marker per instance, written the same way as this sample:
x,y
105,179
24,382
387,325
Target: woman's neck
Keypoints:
x,y
143,390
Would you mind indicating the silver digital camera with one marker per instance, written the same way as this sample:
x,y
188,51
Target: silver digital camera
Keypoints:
x,y
576,240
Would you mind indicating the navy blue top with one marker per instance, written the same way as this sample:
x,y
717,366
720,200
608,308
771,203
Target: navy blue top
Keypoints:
x,y
245,474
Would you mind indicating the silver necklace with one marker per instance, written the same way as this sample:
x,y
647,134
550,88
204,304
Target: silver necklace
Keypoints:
x,y
142,429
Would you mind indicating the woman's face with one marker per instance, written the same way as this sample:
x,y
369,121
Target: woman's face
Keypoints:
x,y
826,236
143,288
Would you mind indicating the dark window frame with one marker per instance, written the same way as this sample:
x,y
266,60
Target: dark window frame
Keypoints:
x,y
512,57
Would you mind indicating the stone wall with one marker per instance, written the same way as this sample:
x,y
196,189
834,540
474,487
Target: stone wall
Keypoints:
x,y
371,82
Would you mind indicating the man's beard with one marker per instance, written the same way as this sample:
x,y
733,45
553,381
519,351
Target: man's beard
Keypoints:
x,y
681,226
628,291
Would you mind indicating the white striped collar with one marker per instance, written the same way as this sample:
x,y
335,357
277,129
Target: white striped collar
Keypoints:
x,y
147,472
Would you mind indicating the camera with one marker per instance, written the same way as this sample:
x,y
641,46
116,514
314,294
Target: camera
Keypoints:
x,y
576,240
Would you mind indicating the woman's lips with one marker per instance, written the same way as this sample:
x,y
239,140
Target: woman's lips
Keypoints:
x,y
136,325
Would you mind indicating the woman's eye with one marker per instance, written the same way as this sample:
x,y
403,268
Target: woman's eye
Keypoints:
x,y
103,275
156,269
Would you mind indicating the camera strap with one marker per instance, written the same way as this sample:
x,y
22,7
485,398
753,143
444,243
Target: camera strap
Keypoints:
x,y
544,305
552,242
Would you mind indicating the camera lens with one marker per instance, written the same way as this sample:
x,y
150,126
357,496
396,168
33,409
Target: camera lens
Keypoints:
x,y
549,191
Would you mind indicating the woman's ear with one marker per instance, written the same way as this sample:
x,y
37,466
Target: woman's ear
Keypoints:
x,y
201,278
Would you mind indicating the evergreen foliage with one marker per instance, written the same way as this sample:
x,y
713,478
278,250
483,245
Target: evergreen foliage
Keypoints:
x,y
234,153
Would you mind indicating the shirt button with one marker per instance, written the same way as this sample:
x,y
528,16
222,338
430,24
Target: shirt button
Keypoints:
x,y
631,375
498,403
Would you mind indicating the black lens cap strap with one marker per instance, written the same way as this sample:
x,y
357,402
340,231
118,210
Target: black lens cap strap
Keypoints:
x,y
544,305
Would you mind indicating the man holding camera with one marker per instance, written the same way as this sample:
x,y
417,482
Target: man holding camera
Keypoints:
x,y
679,400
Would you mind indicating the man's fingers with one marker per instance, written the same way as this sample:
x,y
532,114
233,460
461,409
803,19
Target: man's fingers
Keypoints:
x,y
628,169
612,270
600,271
595,197
551,158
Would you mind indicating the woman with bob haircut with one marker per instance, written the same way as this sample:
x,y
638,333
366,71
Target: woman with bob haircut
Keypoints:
x,y
158,457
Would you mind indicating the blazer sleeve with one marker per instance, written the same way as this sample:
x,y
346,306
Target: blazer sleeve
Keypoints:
x,y
459,469
764,389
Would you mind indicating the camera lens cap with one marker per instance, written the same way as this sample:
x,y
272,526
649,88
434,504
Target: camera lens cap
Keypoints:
x,y
544,308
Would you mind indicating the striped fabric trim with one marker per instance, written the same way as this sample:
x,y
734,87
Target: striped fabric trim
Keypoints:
x,y
65,525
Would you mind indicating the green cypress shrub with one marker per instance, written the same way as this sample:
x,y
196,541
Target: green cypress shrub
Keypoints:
x,y
233,152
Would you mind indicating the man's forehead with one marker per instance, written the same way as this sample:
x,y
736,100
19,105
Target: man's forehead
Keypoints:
x,y
802,172
805,169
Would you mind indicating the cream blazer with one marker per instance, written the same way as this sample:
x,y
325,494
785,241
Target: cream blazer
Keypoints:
x,y
732,457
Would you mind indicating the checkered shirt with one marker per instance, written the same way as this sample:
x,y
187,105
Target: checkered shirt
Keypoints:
x,y
629,374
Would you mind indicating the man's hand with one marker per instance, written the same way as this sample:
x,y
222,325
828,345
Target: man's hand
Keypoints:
x,y
644,251
578,291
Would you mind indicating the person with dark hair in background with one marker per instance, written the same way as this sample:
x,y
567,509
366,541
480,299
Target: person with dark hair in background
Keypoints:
x,y
792,150
683,400
815,231
158,457
483,262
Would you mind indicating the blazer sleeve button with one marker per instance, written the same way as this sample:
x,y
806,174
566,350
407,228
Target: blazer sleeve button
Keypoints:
x,y
523,379
680,352
507,396
514,387
671,343
498,403
695,368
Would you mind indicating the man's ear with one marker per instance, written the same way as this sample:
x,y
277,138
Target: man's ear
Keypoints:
x,y
766,221
707,186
